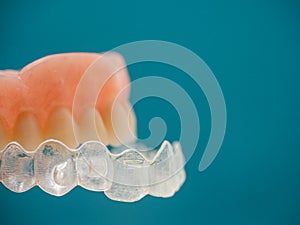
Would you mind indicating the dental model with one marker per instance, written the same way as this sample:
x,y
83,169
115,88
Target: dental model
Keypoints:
x,y
56,117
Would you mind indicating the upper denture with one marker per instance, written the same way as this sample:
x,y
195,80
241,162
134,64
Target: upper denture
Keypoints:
x,y
51,83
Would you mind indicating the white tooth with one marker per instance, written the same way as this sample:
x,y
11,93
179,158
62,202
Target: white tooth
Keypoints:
x,y
101,130
91,127
132,119
60,127
27,131
4,139
121,125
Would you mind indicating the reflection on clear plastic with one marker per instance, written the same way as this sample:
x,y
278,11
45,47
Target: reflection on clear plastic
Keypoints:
x,y
127,176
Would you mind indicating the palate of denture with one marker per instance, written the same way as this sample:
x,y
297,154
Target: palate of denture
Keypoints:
x,y
127,176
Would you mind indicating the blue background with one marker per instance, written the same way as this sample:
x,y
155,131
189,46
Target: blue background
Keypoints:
x,y
252,47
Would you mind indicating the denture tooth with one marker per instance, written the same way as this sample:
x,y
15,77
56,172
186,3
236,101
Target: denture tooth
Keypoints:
x,y
91,127
27,131
60,127
4,137
101,130
121,124
131,119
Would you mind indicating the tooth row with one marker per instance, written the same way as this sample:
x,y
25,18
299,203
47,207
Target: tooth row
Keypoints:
x,y
127,176
90,125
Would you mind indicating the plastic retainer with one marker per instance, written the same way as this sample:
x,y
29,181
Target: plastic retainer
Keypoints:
x,y
127,176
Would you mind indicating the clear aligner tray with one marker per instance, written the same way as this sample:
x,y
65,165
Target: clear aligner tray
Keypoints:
x,y
126,176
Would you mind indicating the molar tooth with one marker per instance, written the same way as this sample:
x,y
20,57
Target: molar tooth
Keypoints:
x,y
94,166
17,168
121,124
55,168
91,127
60,127
27,131
130,177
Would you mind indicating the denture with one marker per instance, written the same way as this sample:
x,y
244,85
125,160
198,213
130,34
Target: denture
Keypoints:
x,y
58,114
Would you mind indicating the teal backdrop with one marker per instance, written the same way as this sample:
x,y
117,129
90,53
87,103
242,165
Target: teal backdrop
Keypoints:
x,y
253,48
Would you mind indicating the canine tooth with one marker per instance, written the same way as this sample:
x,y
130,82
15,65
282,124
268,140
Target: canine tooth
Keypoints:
x,y
60,127
27,131
55,168
130,177
94,166
4,138
121,124
91,127
17,169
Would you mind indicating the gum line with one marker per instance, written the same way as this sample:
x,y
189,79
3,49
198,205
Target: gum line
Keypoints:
x,y
127,176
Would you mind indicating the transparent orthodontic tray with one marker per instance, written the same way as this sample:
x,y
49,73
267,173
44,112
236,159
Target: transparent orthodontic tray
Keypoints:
x,y
126,176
